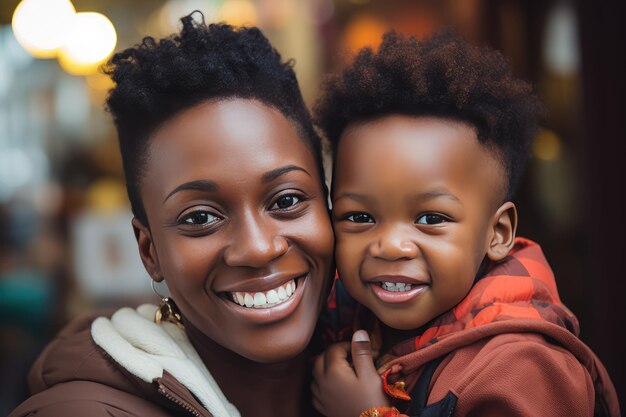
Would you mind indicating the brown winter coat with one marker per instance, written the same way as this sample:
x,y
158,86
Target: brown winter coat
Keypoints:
x,y
75,377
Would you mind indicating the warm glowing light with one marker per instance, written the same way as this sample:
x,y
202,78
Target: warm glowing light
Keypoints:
x,y
91,38
107,195
364,30
39,25
238,13
547,146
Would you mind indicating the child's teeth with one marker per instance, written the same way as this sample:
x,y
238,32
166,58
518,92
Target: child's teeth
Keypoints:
x,y
265,299
395,286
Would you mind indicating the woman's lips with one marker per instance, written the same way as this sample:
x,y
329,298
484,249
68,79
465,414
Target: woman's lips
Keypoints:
x,y
263,312
397,292
265,299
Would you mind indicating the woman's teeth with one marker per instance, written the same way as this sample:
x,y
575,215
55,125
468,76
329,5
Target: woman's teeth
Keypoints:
x,y
265,299
395,286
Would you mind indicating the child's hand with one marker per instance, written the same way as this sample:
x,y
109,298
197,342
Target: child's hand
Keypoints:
x,y
341,390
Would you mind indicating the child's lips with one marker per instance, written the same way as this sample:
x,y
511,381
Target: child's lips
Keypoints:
x,y
397,293
396,279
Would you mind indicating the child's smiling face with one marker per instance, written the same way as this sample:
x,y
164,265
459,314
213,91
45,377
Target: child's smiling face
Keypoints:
x,y
417,205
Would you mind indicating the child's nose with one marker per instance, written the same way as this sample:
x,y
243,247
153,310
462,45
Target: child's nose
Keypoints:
x,y
394,243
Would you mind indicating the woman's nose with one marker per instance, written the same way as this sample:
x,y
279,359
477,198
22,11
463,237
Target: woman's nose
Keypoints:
x,y
257,242
394,243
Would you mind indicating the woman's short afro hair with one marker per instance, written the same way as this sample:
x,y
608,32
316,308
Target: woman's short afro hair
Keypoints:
x,y
442,76
157,79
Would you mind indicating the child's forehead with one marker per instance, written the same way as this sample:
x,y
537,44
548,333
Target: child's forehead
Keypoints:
x,y
393,120
420,140
409,147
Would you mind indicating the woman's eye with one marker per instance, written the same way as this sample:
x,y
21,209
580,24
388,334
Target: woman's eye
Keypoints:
x,y
285,201
199,218
431,219
360,218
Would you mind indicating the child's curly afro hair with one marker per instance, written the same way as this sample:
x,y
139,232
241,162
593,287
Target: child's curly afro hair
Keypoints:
x,y
159,78
442,76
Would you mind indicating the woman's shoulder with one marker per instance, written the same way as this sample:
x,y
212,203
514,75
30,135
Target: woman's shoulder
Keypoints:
x,y
87,398
73,355
74,376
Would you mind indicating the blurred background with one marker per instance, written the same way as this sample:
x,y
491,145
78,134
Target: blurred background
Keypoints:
x,y
66,245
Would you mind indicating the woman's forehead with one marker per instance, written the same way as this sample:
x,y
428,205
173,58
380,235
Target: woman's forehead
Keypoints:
x,y
226,139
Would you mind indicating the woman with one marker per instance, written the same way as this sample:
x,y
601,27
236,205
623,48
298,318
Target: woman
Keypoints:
x,y
225,179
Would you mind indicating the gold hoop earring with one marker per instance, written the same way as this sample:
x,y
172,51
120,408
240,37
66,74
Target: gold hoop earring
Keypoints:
x,y
167,311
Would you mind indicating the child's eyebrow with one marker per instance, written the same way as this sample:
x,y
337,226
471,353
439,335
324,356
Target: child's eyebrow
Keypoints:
x,y
358,197
420,198
437,193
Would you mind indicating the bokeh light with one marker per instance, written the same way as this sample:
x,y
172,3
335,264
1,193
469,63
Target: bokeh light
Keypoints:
x,y
364,30
91,38
546,145
39,25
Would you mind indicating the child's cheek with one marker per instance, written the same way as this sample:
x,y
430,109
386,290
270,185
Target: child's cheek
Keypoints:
x,y
348,257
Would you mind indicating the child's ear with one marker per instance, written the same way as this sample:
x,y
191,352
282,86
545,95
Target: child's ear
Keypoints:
x,y
504,226
147,251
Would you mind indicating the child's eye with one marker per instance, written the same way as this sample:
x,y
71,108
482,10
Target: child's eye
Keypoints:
x,y
360,218
431,219
198,218
285,201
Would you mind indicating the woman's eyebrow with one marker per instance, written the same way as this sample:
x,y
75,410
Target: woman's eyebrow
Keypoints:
x,y
199,185
275,173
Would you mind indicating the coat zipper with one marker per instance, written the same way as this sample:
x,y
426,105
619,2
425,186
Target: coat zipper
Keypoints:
x,y
170,395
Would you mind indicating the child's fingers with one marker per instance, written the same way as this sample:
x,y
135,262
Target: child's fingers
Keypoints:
x,y
336,355
362,355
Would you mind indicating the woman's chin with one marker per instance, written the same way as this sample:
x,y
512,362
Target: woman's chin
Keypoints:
x,y
276,350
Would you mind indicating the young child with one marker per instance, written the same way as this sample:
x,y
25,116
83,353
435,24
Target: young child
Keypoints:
x,y
429,139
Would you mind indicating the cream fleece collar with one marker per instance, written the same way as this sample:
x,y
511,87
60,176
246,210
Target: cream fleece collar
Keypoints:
x,y
145,349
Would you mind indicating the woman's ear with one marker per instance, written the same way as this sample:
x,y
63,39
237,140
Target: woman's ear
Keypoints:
x,y
147,251
504,226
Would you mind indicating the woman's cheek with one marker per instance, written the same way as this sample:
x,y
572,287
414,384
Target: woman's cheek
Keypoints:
x,y
316,232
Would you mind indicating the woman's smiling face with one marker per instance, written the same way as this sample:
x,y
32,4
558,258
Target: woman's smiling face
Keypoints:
x,y
238,226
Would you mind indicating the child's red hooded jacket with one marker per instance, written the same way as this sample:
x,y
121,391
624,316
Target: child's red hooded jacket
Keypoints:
x,y
510,348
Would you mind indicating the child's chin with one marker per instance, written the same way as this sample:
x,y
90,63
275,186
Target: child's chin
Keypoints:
x,y
398,320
